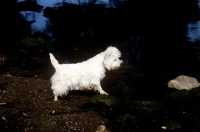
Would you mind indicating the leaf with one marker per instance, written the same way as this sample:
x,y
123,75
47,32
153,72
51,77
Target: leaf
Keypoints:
x,y
53,112
4,118
24,114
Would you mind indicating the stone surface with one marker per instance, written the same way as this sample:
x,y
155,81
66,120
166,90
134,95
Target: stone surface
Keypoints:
x,y
184,82
101,128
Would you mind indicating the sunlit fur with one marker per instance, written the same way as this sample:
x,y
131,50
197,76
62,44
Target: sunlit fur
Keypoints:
x,y
84,75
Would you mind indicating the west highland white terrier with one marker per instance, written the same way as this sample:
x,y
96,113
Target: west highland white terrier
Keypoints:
x,y
86,75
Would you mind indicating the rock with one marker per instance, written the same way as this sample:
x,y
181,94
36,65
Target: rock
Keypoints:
x,y
101,128
184,82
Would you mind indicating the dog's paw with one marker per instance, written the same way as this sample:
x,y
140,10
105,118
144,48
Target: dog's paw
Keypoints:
x,y
55,98
103,92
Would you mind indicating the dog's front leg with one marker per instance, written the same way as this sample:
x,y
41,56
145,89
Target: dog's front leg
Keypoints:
x,y
102,92
55,98
99,88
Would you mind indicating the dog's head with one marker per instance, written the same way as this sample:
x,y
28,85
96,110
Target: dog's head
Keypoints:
x,y
112,61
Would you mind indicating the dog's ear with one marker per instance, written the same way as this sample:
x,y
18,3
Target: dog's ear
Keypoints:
x,y
107,55
108,52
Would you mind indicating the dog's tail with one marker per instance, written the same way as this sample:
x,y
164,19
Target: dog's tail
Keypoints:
x,y
54,62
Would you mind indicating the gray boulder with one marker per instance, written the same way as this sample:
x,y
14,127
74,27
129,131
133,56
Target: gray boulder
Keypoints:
x,y
184,82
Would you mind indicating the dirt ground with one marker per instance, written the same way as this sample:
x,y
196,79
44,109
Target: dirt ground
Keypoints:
x,y
26,104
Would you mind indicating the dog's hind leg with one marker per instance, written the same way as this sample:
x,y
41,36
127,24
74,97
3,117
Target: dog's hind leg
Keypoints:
x,y
60,92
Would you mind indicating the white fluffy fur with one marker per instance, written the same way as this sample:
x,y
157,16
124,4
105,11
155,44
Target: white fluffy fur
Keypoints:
x,y
84,75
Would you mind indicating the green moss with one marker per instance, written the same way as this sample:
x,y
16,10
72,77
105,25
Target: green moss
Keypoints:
x,y
180,95
125,123
104,100
148,107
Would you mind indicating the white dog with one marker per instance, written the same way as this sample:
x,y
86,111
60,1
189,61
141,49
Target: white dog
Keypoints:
x,y
84,75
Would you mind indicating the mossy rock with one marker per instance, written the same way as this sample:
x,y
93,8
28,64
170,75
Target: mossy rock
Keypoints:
x,y
125,123
148,107
180,95
123,91
184,82
104,100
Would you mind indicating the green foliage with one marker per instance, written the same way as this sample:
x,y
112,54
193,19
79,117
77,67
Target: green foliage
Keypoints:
x,y
34,44
123,91
39,41
31,42
125,123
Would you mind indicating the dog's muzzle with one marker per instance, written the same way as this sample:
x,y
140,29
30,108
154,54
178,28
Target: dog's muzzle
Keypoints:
x,y
117,67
